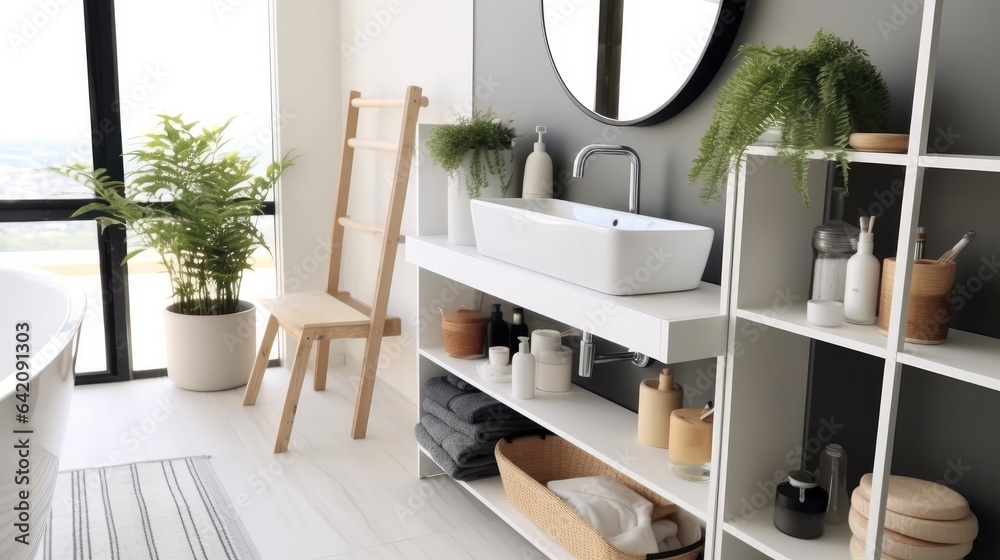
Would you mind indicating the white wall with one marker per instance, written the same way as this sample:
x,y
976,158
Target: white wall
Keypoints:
x,y
378,47
308,113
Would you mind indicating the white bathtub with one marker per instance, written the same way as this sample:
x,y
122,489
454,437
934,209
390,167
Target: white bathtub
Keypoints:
x,y
42,316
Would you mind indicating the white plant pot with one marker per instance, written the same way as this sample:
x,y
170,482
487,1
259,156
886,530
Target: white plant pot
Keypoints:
x,y
211,352
460,231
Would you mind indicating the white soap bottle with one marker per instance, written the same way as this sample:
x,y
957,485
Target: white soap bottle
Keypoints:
x,y
537,171
523,374
861,283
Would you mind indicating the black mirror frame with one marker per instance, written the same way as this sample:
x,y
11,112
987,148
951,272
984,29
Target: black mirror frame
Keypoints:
x,y
727,24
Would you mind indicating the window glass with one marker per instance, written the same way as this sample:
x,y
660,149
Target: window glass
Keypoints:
x,y
44,104
69,250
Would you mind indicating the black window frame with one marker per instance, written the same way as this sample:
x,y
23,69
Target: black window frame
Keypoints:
x,y
106,139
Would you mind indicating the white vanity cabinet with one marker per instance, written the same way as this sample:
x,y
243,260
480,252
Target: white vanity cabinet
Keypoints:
x,y
672,327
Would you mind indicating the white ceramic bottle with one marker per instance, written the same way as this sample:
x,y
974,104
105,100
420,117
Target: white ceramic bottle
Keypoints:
x,y
861,283
523,372
537,171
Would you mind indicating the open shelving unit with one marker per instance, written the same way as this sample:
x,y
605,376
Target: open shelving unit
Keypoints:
x,y
755,321
769,338
670,327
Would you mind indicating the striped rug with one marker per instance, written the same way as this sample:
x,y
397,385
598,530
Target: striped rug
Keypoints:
x,y
157,510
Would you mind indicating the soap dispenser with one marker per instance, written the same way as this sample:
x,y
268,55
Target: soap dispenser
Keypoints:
x,y
861,282
497,333
537,171
518,328
658,398
523,372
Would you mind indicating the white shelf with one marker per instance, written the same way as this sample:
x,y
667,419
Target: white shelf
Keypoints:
x,y
596,425
964,356
860,338
853,156
961,162
759,532
490,492
673,327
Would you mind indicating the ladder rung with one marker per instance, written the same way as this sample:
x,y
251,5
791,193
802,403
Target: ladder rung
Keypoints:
x,y
358,226
362,103
365,228
372,144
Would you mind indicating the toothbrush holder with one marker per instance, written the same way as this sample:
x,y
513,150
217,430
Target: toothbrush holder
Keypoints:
x,y
929,311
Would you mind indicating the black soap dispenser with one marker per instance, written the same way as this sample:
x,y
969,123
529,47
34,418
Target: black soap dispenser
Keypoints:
x,y
517,328
497,332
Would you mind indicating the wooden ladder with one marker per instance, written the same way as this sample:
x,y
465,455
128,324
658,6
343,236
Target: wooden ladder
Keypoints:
x,y
323,316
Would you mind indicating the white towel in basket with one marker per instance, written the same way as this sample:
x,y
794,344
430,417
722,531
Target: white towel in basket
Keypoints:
x,y
617,512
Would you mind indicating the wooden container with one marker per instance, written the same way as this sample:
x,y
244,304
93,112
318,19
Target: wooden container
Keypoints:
x,y
930,303
464,333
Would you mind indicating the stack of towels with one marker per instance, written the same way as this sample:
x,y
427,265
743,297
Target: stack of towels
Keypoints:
x,y
923,520
460,427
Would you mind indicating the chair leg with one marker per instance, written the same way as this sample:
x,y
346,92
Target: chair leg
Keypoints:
x,y
294,390
322,361
260,362
369,368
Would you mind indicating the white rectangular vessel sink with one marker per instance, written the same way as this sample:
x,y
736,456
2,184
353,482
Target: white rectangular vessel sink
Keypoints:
x,y
609,251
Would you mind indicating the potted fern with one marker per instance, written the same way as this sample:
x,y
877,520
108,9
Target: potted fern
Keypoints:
x,y
194,204
477,154
816,96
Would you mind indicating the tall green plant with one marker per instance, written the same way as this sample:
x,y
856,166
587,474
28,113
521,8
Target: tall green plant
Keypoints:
x,y
827,89
486,137
191,202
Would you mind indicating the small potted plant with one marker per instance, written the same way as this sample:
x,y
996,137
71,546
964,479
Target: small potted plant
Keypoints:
x,y
195,205
816,96
477,154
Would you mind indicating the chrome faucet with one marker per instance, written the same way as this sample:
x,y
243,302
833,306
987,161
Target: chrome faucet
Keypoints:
x,y
613,149
588,355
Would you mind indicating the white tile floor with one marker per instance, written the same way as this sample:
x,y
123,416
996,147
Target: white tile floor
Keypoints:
x,y
329,497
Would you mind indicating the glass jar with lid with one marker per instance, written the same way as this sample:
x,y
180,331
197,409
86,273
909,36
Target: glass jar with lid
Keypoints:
x,y
834,242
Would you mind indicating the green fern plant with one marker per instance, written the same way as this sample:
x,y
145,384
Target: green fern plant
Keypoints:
x,y
483,134
193,203
817,96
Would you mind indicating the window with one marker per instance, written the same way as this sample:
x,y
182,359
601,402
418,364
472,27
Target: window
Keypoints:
x,y
93,75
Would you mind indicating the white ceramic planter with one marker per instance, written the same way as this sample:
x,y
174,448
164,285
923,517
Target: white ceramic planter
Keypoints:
x,y
460,231
211,352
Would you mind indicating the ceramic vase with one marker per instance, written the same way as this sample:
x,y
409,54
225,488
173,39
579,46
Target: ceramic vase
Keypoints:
x,y
460,230
211,352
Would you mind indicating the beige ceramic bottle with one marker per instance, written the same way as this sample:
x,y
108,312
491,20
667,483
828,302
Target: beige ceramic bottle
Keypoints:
x,y
657,399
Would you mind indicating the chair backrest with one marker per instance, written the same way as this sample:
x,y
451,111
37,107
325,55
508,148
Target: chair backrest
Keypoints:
x,y
404,148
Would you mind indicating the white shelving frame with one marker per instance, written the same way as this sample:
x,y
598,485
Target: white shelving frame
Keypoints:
x,y
767,353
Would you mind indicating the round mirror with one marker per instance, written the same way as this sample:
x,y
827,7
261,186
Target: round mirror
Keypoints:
x,y
638,62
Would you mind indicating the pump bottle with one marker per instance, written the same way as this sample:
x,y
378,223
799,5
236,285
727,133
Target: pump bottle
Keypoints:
x,y
861,283
523,372
537,171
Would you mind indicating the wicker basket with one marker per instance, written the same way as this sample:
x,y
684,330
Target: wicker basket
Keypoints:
x,y
527,464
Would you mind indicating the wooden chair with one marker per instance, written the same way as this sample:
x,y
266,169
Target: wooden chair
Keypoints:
x,y
322,316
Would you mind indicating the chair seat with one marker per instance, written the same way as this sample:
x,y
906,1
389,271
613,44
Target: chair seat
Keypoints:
x,y
307,310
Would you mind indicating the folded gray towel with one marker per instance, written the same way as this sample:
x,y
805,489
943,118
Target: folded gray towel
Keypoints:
x,y
469,406
461,383
448,465
463,449
502,423
439,390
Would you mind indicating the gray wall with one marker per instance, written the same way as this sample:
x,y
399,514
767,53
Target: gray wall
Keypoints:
x,y
510,57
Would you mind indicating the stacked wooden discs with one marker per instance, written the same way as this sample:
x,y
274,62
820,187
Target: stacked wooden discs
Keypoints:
x,y
923,521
